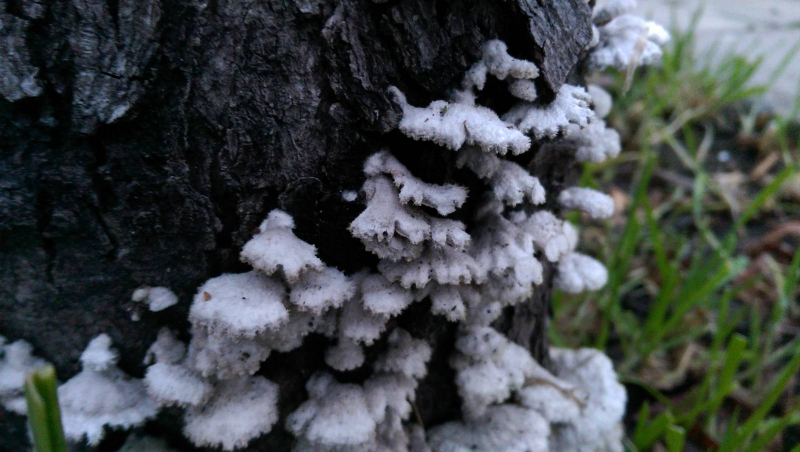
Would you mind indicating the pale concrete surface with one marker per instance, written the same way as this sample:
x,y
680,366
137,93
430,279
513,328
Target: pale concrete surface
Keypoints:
x,y
749,27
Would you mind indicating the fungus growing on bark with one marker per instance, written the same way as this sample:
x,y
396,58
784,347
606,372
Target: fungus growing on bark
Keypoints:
x,y
628,41
386,227
275,247
594,203
239,305
510,183
317,291
500,64
448,301
166,349
547,233
452,125
383,297
176,384
240,410
405,355
335,415
360,324
16,361
101,396
571,106
601,100
444,265
225,357
345,355
600,423
523,89
444,198
594,143
578,273
509,428
608,11
489,368
503,250
156,298
169,380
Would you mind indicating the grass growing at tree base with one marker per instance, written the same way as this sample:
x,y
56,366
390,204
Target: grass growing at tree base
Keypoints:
x,y
701,310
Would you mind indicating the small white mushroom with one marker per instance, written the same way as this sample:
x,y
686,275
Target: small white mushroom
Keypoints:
x,y
156,298
276,247
102,395
242,409
239,305
593,202
571,106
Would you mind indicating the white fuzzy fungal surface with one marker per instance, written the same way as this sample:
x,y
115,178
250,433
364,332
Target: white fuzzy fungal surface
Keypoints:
x,y
335,415
508,428
444,198
241,409
571,106
387,227
369,417
405,356
628,41
500,64
176,384
447,301
548,235
489,368
360,324
523,89
225,357
593,202
452,125
599,395
156,298
578,273
166,349
276,247
601,100
510,183
595,143
239,305
102,396
383,297
610,10
317,291
344,356
16,360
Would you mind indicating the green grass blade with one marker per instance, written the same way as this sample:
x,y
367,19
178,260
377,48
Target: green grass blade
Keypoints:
x,y
761,442
44,414
37,418
752,423
675,437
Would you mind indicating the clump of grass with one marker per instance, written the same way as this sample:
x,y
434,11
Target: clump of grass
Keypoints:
x,y
701,308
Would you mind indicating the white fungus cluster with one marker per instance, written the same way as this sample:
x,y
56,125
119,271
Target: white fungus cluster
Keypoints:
x,y
16,360
101,396
624,40
156,298
368,417
470,273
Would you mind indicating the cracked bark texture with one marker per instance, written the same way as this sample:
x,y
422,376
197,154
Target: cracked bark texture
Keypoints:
x,y
143,141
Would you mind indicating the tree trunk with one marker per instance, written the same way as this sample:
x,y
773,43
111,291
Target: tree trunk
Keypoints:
x,y
143,141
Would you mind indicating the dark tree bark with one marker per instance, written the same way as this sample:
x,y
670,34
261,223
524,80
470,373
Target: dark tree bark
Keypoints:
x,y
143,141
